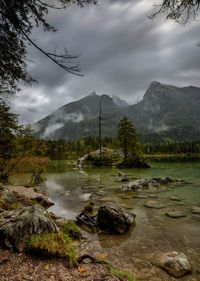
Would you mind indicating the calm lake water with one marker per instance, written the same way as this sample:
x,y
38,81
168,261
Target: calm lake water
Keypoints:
x,y
154,231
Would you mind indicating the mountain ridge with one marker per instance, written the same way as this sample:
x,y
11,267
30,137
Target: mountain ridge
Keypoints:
x,y
163,107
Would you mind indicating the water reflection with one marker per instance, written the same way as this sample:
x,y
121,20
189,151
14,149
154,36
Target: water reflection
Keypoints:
x,y
114,240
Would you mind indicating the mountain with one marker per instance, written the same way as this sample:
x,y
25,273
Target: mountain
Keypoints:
x,y
163,108
80,118
166,106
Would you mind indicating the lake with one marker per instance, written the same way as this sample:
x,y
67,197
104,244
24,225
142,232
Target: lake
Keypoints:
x,y
154,232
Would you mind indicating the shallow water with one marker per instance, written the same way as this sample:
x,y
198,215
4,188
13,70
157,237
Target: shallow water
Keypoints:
x,y
154,232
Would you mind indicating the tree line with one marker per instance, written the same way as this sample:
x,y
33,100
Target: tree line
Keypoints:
x,y
172,148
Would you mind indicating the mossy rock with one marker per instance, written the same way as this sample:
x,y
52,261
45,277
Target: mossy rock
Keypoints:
x,y
53,244
134,162
6,195
54,216
70,228
94,160
9,207
89,208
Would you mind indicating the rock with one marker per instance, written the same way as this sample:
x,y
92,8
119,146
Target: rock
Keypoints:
x,y
179,203
114,219
39,190
6,195
153,196
140,196
124,197
44,202
175,214
61,221
124,180
85,196
100,193
174,198
196,210
147,184
153,204
18,225
176,264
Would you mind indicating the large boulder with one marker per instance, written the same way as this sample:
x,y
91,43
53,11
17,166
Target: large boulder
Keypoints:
x,y
176,264
6,196
18,225
148,184
114,219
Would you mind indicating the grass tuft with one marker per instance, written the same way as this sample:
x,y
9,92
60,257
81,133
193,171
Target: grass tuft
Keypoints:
x,y
53,244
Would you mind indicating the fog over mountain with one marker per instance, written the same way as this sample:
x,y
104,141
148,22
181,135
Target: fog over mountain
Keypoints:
x,y
163,107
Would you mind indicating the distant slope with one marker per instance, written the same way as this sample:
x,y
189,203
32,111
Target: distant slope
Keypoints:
x,y
164,108
80,118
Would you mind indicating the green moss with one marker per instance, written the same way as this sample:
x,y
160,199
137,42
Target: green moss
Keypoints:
x,y
53,216
89,208
10,206
72,230
128,276
53,244
29,202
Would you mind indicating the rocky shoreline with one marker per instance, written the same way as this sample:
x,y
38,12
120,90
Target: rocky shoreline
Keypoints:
x,y
24,213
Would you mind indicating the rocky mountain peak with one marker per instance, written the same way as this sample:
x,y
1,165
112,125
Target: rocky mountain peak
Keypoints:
x,y
119,102
92,94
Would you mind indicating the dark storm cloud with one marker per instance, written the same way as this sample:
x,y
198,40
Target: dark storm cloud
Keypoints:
x,y
122,51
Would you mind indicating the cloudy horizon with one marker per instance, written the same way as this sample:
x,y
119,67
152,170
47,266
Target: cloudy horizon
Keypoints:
x,y
121,52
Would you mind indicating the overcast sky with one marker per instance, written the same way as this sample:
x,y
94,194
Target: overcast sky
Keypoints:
x,y
121,52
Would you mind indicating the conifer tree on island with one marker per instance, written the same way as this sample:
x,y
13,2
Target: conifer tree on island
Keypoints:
x,y
128,142
127,137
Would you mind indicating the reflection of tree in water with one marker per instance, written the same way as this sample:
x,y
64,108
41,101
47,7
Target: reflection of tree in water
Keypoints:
x,y
115,240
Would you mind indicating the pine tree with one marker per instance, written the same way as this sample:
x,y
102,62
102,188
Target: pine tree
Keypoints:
x,y
127,139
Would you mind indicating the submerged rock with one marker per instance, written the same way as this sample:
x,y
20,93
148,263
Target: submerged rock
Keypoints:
x,y
6,195
174,198
140,196
124,197
175,214
153,196
18,225
114,219
176,264
153,204
196,210
85,196
148,184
